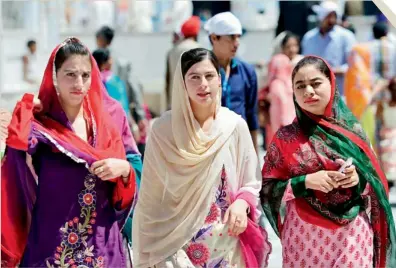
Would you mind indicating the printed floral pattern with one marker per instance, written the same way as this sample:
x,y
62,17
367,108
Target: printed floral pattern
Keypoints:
x,y
213,214
74,250
198,253
289,133
307,245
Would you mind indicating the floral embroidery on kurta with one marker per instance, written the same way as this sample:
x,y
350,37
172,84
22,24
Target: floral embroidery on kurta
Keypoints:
x,y
198,253
212,246
200,250
74,250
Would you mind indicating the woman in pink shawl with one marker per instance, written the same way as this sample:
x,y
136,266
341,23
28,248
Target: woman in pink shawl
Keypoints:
x,y
280,95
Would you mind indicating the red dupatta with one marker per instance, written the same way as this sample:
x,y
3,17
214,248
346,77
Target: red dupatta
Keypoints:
x,y
313,143
108,145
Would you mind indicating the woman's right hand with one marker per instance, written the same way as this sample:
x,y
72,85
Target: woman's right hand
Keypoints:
x,y
323,180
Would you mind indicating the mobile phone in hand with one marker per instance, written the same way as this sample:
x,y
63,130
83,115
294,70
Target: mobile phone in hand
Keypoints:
x,y
346,165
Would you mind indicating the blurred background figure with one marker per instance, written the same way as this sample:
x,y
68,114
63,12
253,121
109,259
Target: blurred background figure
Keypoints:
x,y
238,78
386,114
188,39
288,43
278,94
114,85
275,98
294,17
122,68
329,40
5,118
382,19
371,65
347,24
31,72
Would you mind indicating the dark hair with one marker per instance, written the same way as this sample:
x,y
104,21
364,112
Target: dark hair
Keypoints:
x,y
392,83
72,47
319,64
193,56
210,38
380,29
31,43
101,56
287,37
106,33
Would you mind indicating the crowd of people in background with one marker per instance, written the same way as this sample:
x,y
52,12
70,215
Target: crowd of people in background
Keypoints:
x,y
364,72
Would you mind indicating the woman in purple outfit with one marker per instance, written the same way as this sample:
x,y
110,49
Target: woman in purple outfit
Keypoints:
x,y
86,186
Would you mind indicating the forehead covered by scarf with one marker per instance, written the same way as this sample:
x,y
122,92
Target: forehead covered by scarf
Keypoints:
x,y
336,134
48,89
224,23
108,138
334,94
192,161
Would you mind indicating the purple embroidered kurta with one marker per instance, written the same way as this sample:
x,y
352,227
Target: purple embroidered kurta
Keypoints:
x,y
73,220
65,192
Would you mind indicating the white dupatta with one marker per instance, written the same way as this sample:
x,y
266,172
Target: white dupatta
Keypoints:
x,y
182,166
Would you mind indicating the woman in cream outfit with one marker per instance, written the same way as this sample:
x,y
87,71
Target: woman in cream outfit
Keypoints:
x,y
197,204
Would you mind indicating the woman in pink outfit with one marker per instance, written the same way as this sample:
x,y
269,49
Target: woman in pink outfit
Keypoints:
x,y
279,94
326,215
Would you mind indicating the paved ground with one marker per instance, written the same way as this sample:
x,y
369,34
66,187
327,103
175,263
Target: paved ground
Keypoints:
x,y
275,260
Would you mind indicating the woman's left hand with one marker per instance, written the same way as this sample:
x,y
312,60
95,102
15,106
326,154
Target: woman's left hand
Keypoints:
x,y
110,168
351,177
236,216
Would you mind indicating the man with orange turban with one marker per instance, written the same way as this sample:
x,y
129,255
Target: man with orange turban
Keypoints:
x,y
189,31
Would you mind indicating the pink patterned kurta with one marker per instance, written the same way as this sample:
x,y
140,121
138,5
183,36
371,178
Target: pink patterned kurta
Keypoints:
x,y
308,245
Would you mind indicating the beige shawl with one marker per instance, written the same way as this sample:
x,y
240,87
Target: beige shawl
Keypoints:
x,y
181,168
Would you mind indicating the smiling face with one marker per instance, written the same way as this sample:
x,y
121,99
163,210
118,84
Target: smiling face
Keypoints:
x,y
312,89
74,80
202,83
